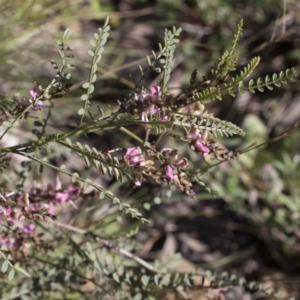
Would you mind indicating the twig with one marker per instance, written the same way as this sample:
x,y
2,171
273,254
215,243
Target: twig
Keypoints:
x,y
108,244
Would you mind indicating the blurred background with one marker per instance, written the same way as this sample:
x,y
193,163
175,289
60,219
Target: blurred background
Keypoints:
x,y
252,227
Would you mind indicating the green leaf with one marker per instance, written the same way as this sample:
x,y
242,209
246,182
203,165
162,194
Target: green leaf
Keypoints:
x,y
91,53
93,78
86,85
156,279
145,280
87,161
66,75
84,97
93,43
4,266
242,281
143,220
70,66
69,141
252,285
117,201
94,69
107,28
81,111
6,124
166,280
106,22
79,145
67,33
104,40
75,176
147,206
116,277
91,88
38,124
100,51
11,274
98,59
157,200
149,60
86,184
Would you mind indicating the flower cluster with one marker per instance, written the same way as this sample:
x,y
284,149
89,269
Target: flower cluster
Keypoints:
x,y
62,196
20,221
35,93
171,170
20,210
136,159
200,142
146,105
174,170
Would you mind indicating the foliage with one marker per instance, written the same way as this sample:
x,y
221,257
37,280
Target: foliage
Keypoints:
x,y
48,258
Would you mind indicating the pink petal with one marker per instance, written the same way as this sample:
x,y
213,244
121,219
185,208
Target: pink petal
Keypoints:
x,y
34,93
61,197
133,151
202,147
139,182
169,172
164,119
155,90
136,160
51,209
73,192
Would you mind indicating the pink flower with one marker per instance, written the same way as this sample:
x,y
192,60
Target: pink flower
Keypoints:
x,y
193,133
73,192
169,173
9,212
51,208
32,207
151,110
147,104
9,243
139,181
164,119
170,169
61,197
155,90
134,156
34,93
27,228
133,152
200,145
173,155
199,141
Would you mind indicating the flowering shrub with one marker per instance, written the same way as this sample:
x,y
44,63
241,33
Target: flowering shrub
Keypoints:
x,y
26,213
